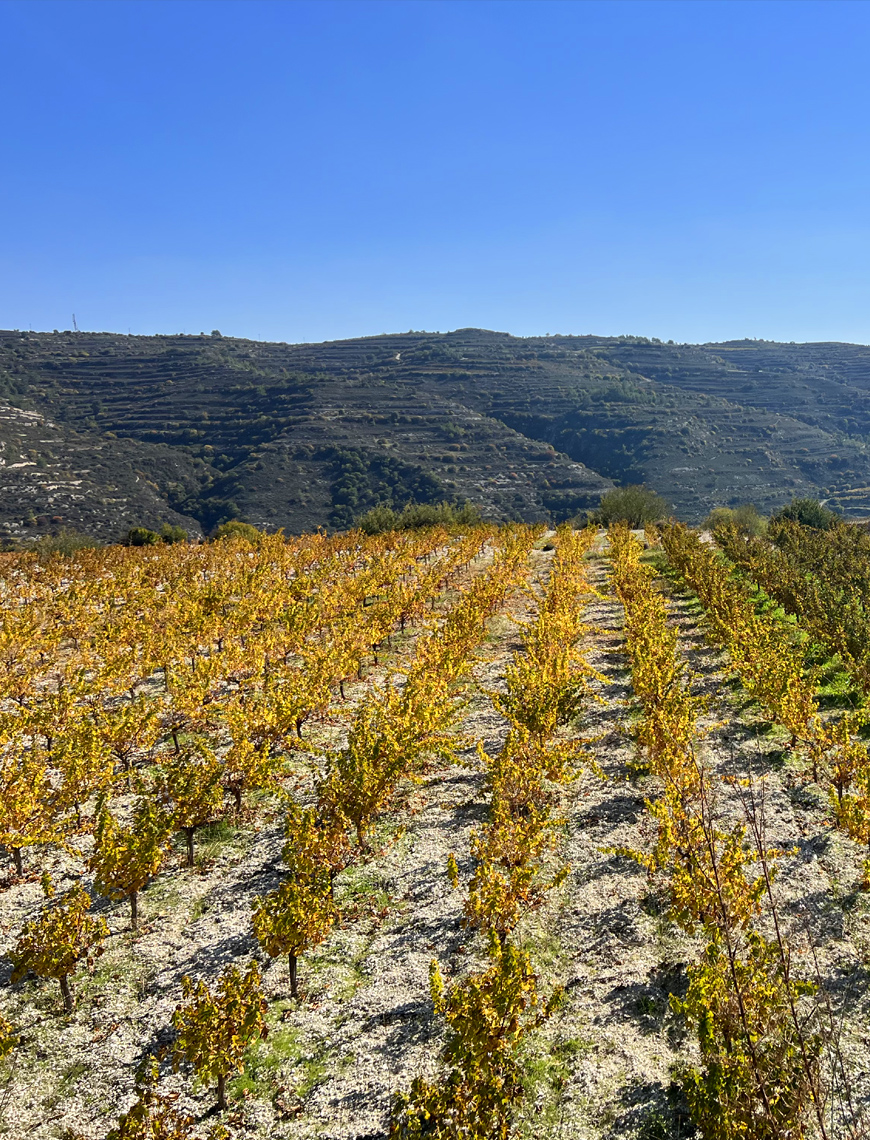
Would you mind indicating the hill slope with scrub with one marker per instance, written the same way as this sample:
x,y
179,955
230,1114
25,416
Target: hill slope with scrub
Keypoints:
x,y
193,430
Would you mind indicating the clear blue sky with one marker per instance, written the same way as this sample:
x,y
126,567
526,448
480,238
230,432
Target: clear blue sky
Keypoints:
x,y
310,171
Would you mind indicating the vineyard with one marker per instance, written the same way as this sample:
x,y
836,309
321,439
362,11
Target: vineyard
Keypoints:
x,y
506,832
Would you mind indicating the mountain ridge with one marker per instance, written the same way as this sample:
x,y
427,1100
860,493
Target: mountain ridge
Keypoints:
x,y
194,429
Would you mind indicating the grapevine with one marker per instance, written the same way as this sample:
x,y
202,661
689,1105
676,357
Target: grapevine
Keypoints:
x,y
301,688
214,1029
759,1072
490,1013
772,666
52,944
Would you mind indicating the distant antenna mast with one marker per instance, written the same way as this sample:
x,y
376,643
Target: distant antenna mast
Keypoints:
x,y
75,326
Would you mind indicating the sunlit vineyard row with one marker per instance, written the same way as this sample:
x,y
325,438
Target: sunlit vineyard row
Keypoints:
x,y
213,755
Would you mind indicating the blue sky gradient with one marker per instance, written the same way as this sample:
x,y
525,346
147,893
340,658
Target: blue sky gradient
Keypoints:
x,y
310,171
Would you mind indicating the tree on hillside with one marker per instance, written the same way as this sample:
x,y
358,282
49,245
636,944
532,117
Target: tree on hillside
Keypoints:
x,y
141,536
415,515
809,512
635,505
172,534
745,517
65,542
235,528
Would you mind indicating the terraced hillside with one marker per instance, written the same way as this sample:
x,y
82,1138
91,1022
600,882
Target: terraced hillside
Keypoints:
x,y
533,428
54,476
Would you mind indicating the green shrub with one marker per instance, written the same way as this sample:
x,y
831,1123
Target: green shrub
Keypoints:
x,y
745,517
141,536
235,528
378,520
415,515
171,534
438,514
809,512
635,506
66,542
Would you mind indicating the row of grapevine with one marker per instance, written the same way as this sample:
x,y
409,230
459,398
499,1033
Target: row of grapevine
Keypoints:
x,y
804,571
491,1012
217,730
839,556
113,623
90,609
759,1072
184,784
388,741
181,789
395,731
771,663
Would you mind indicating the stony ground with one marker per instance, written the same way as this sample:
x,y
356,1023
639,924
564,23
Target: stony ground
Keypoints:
x,y
601,1068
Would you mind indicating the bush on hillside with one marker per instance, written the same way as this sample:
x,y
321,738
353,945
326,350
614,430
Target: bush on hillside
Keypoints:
x,y
809,512
635,505
141,536
235,528
144,536
378,520
415,515
745,517
171,534
66,542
